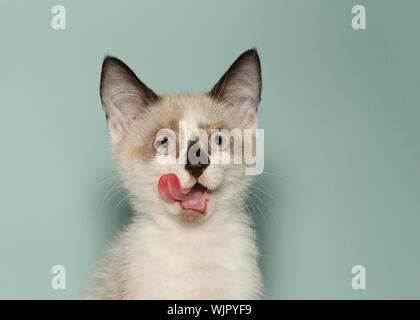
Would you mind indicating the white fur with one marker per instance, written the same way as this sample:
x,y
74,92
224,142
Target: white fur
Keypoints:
x,y
161,255
162,259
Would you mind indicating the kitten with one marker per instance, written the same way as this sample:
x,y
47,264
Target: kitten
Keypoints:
x,y
191,237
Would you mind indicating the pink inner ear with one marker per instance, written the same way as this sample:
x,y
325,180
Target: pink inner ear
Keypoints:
x,y
246,112
116,131
251,119
118,124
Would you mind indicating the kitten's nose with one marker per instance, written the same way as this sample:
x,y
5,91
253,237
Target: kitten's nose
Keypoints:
x,y
197,160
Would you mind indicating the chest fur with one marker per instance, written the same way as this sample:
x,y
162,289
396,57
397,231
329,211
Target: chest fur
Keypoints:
x,y
191,265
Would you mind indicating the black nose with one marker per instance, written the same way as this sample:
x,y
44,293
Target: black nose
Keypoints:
x,y
197,160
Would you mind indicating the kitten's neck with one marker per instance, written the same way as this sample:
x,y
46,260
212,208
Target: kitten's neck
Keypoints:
x,y
221,216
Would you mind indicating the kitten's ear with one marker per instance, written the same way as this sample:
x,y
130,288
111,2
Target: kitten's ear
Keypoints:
x,y
240,88
124,97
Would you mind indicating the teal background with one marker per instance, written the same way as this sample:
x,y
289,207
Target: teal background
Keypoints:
x,y
340,109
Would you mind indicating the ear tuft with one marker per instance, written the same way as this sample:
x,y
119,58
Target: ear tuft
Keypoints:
x,y
124,97
240,87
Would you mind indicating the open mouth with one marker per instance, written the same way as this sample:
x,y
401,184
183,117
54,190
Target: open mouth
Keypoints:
x,y
195,198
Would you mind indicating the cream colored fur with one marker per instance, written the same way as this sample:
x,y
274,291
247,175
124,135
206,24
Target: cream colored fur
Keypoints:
x,y
162,254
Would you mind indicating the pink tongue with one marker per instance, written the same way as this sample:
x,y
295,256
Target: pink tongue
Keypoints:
x,y
170,189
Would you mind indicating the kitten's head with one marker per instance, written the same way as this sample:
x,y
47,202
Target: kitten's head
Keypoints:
x,y
182,155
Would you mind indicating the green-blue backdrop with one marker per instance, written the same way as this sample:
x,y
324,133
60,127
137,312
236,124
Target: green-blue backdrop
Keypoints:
x,y
340,109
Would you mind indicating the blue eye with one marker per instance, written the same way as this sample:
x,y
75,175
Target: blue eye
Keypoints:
x,y
219,140
164,143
